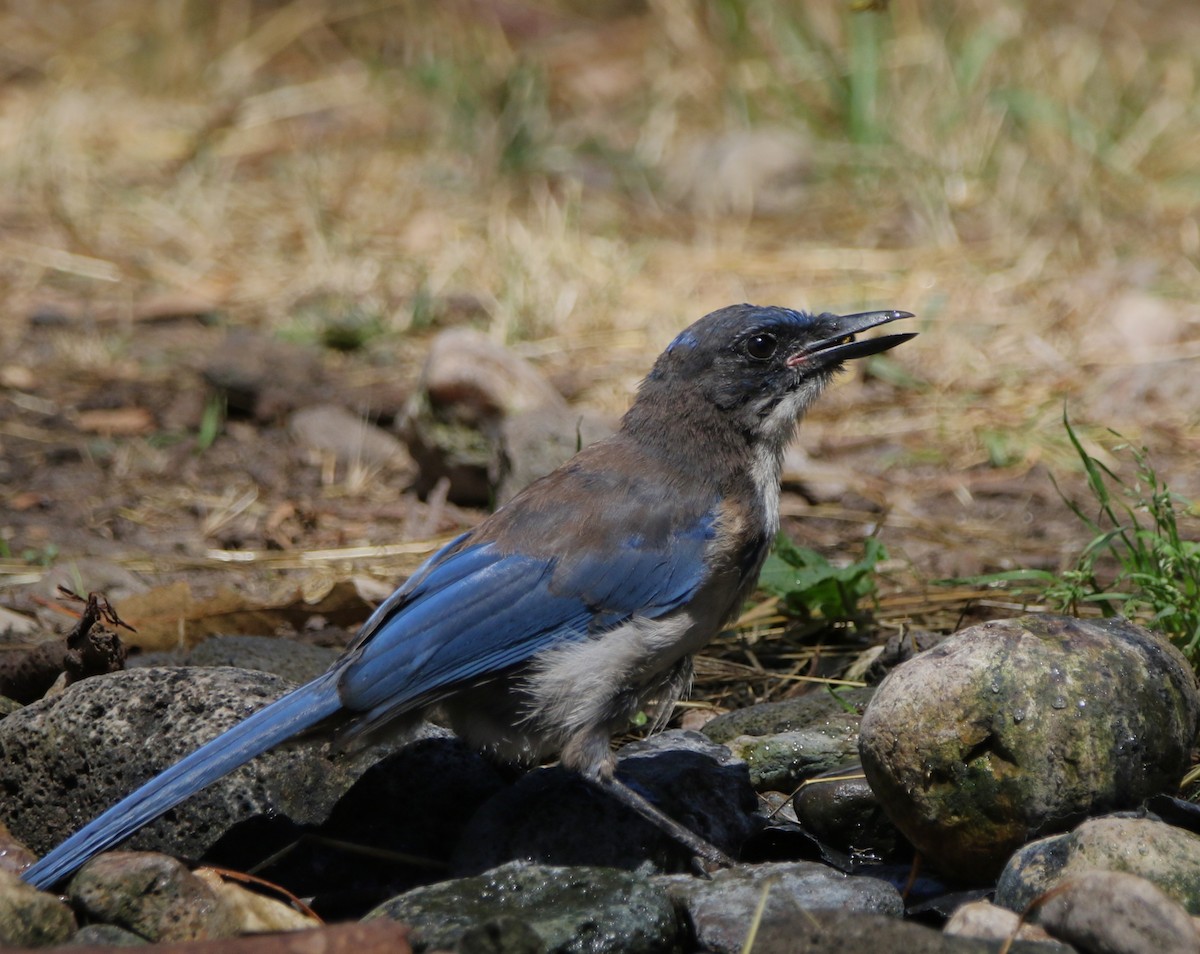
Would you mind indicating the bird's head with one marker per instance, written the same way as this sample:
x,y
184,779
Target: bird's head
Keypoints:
x,y
761,367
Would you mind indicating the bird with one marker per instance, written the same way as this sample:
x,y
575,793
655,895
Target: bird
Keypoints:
x,y
580,602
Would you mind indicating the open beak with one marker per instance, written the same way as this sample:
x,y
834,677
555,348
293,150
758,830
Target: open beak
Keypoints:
x,y
841,345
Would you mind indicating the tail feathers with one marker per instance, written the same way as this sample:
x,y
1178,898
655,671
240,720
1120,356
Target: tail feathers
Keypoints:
x,y
277,722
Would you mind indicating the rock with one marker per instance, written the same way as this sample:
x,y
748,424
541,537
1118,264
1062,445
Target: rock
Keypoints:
x,y
31,918
744,172
263,377
478,379
858,932
583,909
469,386
1165,855
720,910
295,661
982,919
14,856
839,808
556,817
533,443
331,429
785,742
152,895
251,912
105,935
1110,912
1039,722
116,731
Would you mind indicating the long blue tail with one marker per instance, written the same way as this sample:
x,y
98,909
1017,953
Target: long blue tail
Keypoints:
x,y
282,719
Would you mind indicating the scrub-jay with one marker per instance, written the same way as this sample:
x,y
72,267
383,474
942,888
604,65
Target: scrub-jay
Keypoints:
x,y
580,602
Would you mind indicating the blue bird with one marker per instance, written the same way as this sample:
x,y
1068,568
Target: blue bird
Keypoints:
x,y
578,604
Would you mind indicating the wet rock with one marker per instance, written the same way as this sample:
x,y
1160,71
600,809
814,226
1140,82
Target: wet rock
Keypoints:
x,y
720,910
580,909
411,807
555,817
295,661
152,895
106,935
839,807
332,429
785,742
31,918
1110,912
1038,722
1167,856
14,856
987,921
114,732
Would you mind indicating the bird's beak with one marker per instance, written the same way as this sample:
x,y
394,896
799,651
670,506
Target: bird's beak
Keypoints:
x,y
841,345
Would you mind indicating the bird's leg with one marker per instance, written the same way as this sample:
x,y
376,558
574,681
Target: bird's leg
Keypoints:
x,y
652,813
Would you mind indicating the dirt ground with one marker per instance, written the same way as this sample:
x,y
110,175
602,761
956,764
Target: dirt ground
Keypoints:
x,y
211,217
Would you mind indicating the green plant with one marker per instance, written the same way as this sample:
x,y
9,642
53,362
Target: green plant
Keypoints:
x,y
1137,564
809,586
1136,524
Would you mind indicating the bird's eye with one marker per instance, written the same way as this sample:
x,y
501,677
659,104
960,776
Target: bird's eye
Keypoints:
x,y
761,347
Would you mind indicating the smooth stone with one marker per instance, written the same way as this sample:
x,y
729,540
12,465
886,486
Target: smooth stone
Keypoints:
x,y
990,922
580,909
839,808
785,742
720,909
1163,854
332,429
152,895
863,932
1038,723
29,917
1112,912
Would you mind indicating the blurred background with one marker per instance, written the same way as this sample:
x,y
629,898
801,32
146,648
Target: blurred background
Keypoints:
x,y
200,201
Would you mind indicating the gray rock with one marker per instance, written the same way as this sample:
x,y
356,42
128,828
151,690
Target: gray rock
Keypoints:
x,y
104,736
592,910
535,442
470,387
721,909
743,172
859,932
332,429
1165,855
1110,912
294,661
982,919
31,918
839,807
152,895
480,379
785,742
105,935
1038,722
553,816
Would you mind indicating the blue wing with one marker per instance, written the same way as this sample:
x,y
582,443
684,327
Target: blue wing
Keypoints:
x,y
475,610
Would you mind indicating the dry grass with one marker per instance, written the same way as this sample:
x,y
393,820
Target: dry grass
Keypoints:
x,y
1021,175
